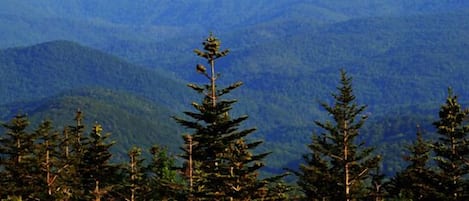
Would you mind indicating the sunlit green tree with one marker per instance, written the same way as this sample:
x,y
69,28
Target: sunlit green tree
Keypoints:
x,y
452,149
17,164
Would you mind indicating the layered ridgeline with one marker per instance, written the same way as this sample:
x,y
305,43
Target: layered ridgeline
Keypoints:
x,y
401,68
108,23
46,69
52,80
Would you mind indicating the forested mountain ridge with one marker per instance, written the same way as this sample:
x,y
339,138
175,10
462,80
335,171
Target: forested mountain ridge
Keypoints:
x,y
136,117
104,23
288,59
131,120
47,69
50,81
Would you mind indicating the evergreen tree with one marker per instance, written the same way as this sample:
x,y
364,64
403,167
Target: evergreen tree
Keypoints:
x,y
17,164
222,165
96,171
51,164
135,187
416,182
338,166
161,176
72,148
452,149
377,191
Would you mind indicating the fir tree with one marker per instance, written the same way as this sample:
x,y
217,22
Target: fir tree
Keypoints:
x,y
452,149
337,167
416,182
161,176
72,148
222,165
96,171
135,176
17,164
51,164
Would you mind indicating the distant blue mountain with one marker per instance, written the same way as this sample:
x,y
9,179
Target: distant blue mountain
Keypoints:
x,y
402,55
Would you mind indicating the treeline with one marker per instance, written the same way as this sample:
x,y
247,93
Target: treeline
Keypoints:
x,y
219,161
71,164
340,167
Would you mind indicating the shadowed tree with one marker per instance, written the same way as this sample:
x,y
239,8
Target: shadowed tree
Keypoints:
x,y
17,164
452,149
52,164
97,172
338,167
416,182
220,162
161,176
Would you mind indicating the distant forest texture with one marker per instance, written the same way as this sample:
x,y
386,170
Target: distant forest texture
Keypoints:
x,y
124,65
219,160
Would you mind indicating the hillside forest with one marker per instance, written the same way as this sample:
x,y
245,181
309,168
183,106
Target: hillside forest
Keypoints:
x,y
302,83
220,160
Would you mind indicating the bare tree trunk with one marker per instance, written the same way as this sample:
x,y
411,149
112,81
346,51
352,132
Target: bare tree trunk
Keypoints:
x,y
97,193
212,82
48,174
347,181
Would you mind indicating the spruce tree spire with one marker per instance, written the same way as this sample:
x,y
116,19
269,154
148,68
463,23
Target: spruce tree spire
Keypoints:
x,y
211,53
452,148
220,162
337,166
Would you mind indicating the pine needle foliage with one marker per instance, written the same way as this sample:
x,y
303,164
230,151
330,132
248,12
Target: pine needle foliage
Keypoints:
x,y
337,168
17,159
220,163
452,149
417,181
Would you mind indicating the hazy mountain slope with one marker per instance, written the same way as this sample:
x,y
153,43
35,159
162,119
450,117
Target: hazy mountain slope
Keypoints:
x,y
105,22
52,80
130,120
287,56
232,13
398,64
46,69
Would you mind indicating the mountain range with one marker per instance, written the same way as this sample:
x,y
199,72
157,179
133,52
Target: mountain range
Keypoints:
x,y
122,61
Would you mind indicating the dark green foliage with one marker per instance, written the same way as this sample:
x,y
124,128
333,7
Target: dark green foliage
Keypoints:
x,y
162,179
95,168
17,162
45,164
417,181
220,163
338,165
131,119
452,149
53,164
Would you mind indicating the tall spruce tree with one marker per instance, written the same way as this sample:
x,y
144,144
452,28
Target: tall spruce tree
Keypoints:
x,y
221,164
338,166
452,149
